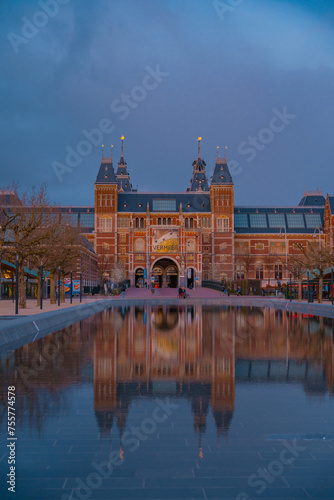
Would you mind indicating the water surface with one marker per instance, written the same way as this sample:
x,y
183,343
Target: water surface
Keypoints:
x,y
174,402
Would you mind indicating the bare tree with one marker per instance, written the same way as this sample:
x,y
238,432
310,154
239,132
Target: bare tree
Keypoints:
x,y
269,260
30,228
118,272
318,258
296,265
246,259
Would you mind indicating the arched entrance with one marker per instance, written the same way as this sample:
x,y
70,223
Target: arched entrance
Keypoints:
x,y
165,272
139,277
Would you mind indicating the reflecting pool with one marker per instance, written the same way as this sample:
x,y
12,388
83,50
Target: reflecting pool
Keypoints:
x,y
169,402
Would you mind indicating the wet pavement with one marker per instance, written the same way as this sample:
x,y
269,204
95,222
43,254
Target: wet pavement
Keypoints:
x,y
187,401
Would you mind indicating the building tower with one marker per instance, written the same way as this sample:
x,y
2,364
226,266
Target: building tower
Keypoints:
x,y
222,209
106,189
122,174
199,181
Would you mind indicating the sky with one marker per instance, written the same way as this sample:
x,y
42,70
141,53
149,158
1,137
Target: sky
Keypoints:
x,y
253,76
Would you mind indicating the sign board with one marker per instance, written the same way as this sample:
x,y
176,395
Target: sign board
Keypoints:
x,y
165,241
67,285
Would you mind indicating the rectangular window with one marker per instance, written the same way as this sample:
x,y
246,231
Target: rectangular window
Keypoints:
x,y
313,220
87,220
241,220
164,205
295,220
105,224
258,220
278,271
259,272
240,272
222,225
276,220
222,200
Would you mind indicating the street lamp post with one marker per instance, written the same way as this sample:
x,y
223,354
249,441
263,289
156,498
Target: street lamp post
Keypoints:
x,y
58,286
17,286
41,287
320,232
286,250
71,289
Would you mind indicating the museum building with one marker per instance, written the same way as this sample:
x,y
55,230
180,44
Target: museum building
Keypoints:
x,y
198,234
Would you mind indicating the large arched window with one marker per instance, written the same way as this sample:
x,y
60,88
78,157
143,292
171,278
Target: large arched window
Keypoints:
x,y
191,222
137,222
186,222
164,221
159,221
142,222
169,221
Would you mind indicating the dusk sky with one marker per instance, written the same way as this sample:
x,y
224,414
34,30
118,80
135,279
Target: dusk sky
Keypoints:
x,y
255,76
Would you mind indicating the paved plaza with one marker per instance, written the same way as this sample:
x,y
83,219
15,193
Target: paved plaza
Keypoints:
x,y
7,307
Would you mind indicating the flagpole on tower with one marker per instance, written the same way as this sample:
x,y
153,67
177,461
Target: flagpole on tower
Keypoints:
x,y
122,139
199,146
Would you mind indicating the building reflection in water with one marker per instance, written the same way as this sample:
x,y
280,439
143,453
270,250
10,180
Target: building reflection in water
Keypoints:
x,y
194,352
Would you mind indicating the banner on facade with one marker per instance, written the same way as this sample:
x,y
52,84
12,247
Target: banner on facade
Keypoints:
x,y
165,241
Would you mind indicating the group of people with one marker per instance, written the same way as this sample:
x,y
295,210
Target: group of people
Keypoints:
x,y
227,291
182,293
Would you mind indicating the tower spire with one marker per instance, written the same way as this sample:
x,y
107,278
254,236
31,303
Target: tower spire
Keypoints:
x,y
102,151
111,146
122,139
199,146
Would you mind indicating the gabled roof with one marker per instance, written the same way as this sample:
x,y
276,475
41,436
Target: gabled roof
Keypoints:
x,y
331,203
313,199
199,182
106,173
221,173
190,202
